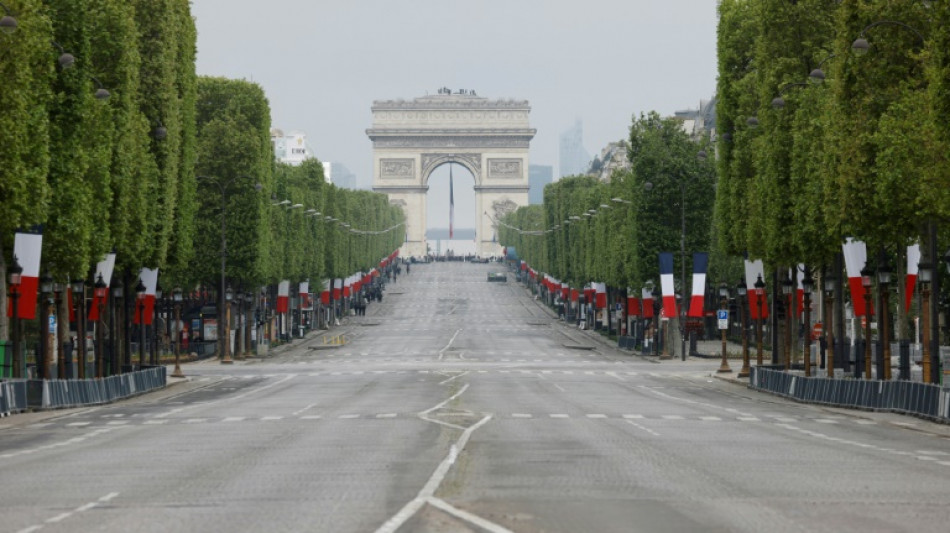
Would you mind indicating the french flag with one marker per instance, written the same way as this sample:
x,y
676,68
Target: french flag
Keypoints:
x,y
104,268
283,295
149,278
666,284
646,303
575,294
633,304
600,290
565,291
27,248
304,294
855,257
337,288
700,263
325,295
799,275
913,267
753,271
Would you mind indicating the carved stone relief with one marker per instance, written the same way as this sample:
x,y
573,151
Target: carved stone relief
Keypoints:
x,y
396,168
502,207
473,162
504,168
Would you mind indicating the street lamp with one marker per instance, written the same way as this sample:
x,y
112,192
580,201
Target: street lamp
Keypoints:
x,y
15,273
99,294
176,297
153,354
58,289
140,307
808,285
884,280
759,297
926,274
224,326
657,337
787,290
866,277
723,303
46,337
741,292
8,23
78,287
829,281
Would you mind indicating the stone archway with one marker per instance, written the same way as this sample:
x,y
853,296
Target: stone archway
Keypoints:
x,y
490,138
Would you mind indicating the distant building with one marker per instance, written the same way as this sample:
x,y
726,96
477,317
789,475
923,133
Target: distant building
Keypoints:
x,y
342,177
612,157
699,123
538,177
327,172
291,148
573,159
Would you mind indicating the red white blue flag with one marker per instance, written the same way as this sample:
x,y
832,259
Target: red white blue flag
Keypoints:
x,y
855,258
700,263
754,271
451,205
149,278
666,284
27,248
913,267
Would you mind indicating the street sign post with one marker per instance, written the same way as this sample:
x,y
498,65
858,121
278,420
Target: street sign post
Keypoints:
x,y
723,316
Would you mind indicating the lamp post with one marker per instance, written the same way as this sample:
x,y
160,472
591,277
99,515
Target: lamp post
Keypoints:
x,y
46,341
787,286
723,304
759,297
79,295
117,293
828,280
655,293
15,275
99,294
866,275
926,274
153,352
8,24
58,289
140,313
176,297
741,292
883,318
808,285
224,329
238,328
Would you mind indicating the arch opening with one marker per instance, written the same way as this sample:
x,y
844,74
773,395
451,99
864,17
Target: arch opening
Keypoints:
x,y
450,207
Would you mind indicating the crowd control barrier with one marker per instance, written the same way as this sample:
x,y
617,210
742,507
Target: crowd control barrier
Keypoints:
x,y
19,395
908,397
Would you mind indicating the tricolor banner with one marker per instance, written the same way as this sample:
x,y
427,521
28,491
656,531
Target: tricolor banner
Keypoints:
x,y
337,288
700,264
755,270
565,291
304,295
575,294
633,304
600,290
27,248
149,278
283,295
855,258
913,267
104,268
799,275
666,284
325,294
646,303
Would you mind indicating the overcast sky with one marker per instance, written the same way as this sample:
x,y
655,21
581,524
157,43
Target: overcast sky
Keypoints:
x,y
322,63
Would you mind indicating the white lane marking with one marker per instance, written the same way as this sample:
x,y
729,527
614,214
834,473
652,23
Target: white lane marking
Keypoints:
x,y
825,421
866,422
404,514
520,415
64,516
311,417
446,347
233,419
348,417
596,415
228,398
559,415
747,419
78,424
194,420
386,415
672,417
633,417
269,418
300,411
491,527
710,418
155,422
643,428
443,382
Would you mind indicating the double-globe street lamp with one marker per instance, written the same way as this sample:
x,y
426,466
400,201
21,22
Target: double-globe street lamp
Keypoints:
x,y
15,274
741,292
224,327
177,299
723,305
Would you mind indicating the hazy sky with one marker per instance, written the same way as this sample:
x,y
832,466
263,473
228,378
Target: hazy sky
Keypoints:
x,y
323,62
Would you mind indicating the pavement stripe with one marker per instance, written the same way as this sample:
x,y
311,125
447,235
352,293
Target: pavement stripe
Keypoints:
x,y
520,415
559,415
596,415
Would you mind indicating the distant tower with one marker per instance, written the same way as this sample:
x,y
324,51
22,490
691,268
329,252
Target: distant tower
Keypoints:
x,y
573,158
538,177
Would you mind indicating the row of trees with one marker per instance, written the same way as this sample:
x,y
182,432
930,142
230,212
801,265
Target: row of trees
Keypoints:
x,y
612,232
147,172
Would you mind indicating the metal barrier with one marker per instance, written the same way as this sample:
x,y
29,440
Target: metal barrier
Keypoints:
x,y
920,399
12,396
19,395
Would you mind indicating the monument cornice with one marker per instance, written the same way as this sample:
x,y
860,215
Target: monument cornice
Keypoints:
x,y
453,102
528,133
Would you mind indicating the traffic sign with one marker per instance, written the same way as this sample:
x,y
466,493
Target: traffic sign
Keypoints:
x,y
723,316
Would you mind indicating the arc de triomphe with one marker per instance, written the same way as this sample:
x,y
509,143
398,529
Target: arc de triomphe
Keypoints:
x,y
488,137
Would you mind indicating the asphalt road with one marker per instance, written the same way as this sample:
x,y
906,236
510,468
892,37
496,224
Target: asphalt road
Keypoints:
x,y
460,405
